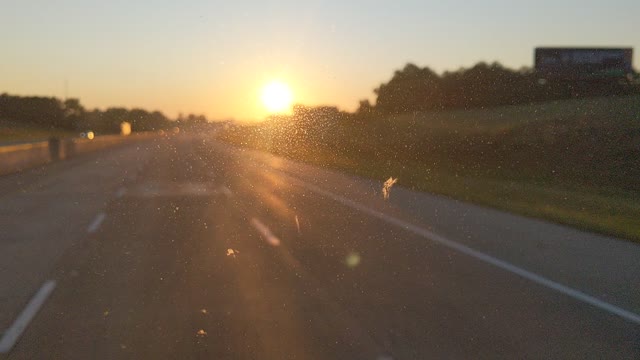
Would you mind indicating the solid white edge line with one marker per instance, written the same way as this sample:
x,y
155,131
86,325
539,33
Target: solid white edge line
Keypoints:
x,y
429,235
11,336
95,224
265,232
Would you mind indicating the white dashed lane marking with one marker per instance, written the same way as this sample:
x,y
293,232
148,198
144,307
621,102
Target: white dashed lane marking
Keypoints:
x,y
265,232
12,334
225,190
95,224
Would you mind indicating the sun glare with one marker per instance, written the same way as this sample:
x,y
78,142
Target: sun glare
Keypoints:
x,y
276,97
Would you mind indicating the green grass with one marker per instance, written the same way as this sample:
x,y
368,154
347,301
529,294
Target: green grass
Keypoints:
x,y
599,111
573,162
610,212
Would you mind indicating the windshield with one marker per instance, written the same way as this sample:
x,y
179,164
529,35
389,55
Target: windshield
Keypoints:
x,y
319,180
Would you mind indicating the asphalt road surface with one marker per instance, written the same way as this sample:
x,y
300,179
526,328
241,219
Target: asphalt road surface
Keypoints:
x,y
184,247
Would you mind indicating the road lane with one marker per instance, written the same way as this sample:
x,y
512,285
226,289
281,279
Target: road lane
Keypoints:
x,y
601,266
46,210
139,287
156,278
548,315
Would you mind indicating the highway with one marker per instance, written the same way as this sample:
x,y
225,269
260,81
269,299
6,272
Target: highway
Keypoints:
x,y
183,247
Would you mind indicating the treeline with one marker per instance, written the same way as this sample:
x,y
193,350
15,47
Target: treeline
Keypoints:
x,y
560,143
414,89
51,112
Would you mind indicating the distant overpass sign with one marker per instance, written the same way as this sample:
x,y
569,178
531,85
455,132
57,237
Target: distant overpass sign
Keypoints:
x,y
583,63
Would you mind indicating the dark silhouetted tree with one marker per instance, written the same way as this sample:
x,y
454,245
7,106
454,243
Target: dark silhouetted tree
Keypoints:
x,y
410,89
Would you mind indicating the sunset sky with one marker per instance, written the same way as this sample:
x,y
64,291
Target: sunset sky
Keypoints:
x,y
213,57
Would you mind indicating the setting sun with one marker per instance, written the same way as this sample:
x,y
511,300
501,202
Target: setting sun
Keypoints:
x,y
276,97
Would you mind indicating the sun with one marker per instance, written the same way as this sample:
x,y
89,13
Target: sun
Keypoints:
x,y
276,97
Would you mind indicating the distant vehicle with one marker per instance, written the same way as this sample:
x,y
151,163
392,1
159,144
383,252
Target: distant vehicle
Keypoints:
x,y
88,135
584,64
125,128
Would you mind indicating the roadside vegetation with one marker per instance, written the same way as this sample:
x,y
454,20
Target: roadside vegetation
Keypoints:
x,y
24,118
570,160
13,133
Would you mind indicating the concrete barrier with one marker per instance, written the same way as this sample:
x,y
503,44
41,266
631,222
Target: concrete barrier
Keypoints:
x,y
19,157
14,158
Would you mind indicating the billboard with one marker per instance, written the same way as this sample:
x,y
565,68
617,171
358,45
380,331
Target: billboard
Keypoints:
x,y
584,63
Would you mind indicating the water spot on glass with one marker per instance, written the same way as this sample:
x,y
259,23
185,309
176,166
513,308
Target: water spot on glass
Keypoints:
x,y
353,259
232,252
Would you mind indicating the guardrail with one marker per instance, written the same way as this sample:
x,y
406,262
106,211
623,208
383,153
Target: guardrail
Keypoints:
x,y
14,158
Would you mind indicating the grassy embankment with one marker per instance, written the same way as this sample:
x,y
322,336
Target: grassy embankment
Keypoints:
x,y
11,132
575,162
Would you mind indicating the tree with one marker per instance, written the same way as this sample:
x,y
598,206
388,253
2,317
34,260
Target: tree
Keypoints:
x,y
419,89
410,89
70,114
74,113
364,107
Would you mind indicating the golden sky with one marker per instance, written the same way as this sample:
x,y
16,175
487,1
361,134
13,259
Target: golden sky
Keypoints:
x,y
214,57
